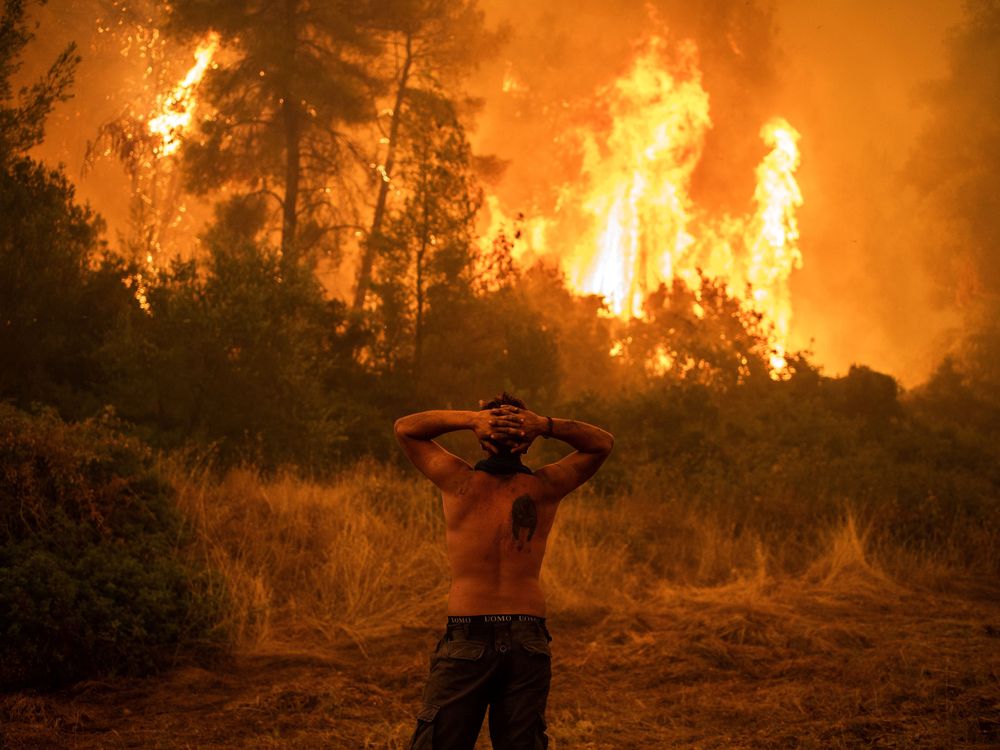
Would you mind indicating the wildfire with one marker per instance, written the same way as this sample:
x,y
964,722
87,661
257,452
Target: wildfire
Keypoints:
x,y
177,108
772,249
166,126
628,224
636,182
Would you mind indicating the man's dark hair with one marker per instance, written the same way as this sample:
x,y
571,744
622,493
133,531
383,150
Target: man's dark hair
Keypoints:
x,y
503,398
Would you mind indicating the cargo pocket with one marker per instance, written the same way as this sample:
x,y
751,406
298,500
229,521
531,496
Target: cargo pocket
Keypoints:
x,y
465,650
537,647
423,735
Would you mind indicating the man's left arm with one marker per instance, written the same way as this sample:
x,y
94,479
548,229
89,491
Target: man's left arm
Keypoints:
x,y
416,434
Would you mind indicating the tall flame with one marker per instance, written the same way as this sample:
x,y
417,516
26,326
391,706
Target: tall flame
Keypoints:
x,y
176,109
629,223
638,178
772,249
174,114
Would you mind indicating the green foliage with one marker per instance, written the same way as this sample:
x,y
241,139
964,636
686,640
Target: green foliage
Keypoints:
x,y
295,73
22,117
481,344
241,356
781,458
58,298
92,580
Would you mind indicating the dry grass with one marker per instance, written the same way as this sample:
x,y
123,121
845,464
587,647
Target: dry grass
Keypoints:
x,y
364,555
303,560
671,630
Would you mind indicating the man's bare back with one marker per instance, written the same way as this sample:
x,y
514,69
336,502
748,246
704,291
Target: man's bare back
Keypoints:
x,y
497,524
496,531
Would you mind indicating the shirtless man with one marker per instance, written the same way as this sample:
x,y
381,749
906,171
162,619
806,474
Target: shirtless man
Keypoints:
x,y
495,651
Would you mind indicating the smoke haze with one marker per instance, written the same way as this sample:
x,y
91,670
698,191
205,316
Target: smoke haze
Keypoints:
x,y
852,82
847,75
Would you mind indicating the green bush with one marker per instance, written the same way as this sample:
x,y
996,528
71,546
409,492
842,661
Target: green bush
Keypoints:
x,y
94,579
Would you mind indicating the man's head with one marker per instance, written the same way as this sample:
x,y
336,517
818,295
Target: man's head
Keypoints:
x,y
503,447
501,400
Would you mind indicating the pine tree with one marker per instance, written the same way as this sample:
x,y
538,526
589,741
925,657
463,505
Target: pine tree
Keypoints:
x,y
293,73
22,117
430,45
427,254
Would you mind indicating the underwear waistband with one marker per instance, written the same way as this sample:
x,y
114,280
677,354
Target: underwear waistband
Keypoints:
x,y
492,619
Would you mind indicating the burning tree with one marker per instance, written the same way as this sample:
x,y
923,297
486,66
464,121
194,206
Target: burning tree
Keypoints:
x,y
703,335
628,223
429,47
292,75
146,137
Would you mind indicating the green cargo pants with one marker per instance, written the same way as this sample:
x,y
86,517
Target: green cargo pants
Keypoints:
x,y
501,662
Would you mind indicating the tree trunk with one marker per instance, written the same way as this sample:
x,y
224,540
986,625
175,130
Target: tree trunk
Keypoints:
x,y
371,243
289,208
291,123
418,327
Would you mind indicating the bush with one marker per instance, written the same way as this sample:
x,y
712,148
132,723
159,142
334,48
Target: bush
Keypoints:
x,y
60,294
238,356
93,575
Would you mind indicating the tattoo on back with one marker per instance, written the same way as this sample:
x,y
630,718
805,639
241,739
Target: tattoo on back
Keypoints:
x,y
523,515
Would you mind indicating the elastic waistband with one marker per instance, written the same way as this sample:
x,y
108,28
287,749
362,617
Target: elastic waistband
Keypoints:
x,y
492,619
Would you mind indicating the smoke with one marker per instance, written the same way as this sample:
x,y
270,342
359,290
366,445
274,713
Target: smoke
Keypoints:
x,y
956,170
885,271
853,76
126,63
846,75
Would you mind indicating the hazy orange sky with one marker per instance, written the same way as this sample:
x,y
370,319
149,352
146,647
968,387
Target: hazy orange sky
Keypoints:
x,y
846,74
853,80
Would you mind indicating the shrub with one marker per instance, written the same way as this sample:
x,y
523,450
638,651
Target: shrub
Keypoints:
x,y
94,578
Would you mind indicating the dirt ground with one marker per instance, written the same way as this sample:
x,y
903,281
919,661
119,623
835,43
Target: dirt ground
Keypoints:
x,y
849,663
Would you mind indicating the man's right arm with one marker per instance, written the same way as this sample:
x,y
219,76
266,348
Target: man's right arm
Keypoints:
x,y
593,445
416,434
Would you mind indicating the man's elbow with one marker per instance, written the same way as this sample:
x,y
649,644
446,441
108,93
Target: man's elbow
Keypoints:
x,y
609,443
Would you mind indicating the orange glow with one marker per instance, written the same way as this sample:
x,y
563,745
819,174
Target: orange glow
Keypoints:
x,y
772,241
172,118
637,179
628,224
176,109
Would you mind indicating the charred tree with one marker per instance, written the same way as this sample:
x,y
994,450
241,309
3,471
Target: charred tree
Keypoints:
x,y
293,75
433,45
427,259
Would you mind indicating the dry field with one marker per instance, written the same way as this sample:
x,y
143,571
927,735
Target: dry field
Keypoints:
x,y
677,635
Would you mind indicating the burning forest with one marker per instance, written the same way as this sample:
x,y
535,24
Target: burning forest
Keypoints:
x,y
735,263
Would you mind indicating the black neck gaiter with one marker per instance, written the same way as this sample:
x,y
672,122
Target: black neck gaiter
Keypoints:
x,y
503,463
